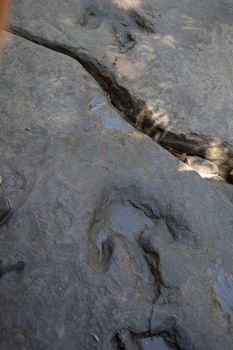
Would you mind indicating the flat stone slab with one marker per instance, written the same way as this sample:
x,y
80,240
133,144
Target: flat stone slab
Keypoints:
x,y
121,240
172,56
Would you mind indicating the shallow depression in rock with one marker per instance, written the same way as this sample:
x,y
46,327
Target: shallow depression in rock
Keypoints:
x,y
125,219
155,343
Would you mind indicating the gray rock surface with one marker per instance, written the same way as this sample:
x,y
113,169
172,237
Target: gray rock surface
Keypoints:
x,y
223,187
121,240
167,64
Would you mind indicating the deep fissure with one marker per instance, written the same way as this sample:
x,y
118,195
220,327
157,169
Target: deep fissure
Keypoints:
x,y
136,112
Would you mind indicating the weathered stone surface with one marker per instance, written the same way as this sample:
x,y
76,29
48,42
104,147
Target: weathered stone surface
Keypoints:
x,y
172,57
121,240
224,188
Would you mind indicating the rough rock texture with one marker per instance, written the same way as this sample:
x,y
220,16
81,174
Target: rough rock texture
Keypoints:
x,y
223,187
121,240
167,64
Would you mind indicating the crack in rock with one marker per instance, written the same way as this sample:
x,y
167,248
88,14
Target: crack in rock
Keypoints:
x,y
136,111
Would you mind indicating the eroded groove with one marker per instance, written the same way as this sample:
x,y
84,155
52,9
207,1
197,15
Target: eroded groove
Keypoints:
x,y
153,259
143,22
136,111
146,209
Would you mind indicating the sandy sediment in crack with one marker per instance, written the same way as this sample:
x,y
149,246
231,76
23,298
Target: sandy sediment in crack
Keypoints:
x,y
136,111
